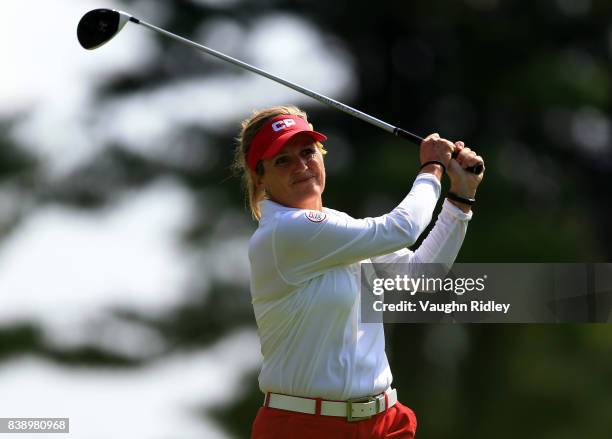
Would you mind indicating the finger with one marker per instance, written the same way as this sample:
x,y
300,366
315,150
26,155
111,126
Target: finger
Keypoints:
x,y
463,154
474,160
459,145
431,138
448,144
459,148
445,147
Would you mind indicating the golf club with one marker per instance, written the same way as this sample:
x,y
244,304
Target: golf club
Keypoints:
x,y
99,26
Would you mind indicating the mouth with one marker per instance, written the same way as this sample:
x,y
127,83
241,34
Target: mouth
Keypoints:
x,y
304,179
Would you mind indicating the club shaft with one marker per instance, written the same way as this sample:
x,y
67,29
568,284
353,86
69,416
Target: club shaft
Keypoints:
x,y
319,97
396,131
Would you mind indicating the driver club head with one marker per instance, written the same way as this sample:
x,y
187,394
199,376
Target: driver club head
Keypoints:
x,y
99,26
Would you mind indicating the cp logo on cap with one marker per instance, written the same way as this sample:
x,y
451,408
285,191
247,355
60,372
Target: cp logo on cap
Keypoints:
x,y
282,124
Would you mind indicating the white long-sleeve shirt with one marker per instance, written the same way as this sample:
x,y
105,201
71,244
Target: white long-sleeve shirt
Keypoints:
x,y
305,285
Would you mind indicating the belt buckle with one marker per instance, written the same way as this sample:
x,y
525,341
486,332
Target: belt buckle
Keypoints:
x,y
349,408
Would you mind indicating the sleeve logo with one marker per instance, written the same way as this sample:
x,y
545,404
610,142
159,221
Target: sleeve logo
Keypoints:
x,y
315,216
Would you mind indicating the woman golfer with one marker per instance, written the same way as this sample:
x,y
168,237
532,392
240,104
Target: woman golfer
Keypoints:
x,y
325,374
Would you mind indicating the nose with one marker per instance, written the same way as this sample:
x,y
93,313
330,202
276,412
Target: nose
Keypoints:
x,y
301,164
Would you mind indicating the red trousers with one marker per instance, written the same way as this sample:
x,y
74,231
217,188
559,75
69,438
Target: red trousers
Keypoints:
x,y
398,422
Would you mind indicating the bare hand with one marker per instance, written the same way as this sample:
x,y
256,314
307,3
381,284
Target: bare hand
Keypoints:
x,y
464,183
435,148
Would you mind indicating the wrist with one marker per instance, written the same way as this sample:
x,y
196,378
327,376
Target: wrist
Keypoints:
x,y
433,167
463,192
465,208
462,202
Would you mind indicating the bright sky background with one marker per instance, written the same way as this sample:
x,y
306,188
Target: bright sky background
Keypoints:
x,y
54,79
65,269
162,400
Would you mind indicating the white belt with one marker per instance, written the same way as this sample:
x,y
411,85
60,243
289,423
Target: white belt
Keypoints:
x,y
353,410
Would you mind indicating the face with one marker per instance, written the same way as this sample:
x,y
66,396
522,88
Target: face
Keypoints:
x,y
295,177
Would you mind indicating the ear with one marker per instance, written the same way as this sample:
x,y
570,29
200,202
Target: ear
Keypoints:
x,y
256,179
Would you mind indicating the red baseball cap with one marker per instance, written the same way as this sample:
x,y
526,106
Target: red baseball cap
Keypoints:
x,y
271,137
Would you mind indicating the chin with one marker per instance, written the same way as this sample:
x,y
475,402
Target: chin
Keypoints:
x,y
312,191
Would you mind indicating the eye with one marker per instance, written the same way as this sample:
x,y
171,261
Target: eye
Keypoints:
x,y
306,152
280,161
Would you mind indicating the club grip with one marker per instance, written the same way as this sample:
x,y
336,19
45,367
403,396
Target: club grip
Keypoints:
x,y
477,169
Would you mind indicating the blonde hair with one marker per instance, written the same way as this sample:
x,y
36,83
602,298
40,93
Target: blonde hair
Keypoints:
x,y
249,128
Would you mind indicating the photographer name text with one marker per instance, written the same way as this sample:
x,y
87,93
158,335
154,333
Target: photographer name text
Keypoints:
x,y
446,308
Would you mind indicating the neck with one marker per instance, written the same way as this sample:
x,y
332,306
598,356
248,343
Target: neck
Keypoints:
x,y
311,204
314,205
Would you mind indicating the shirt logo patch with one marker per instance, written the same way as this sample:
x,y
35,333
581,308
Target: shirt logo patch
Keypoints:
x,y
315,216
